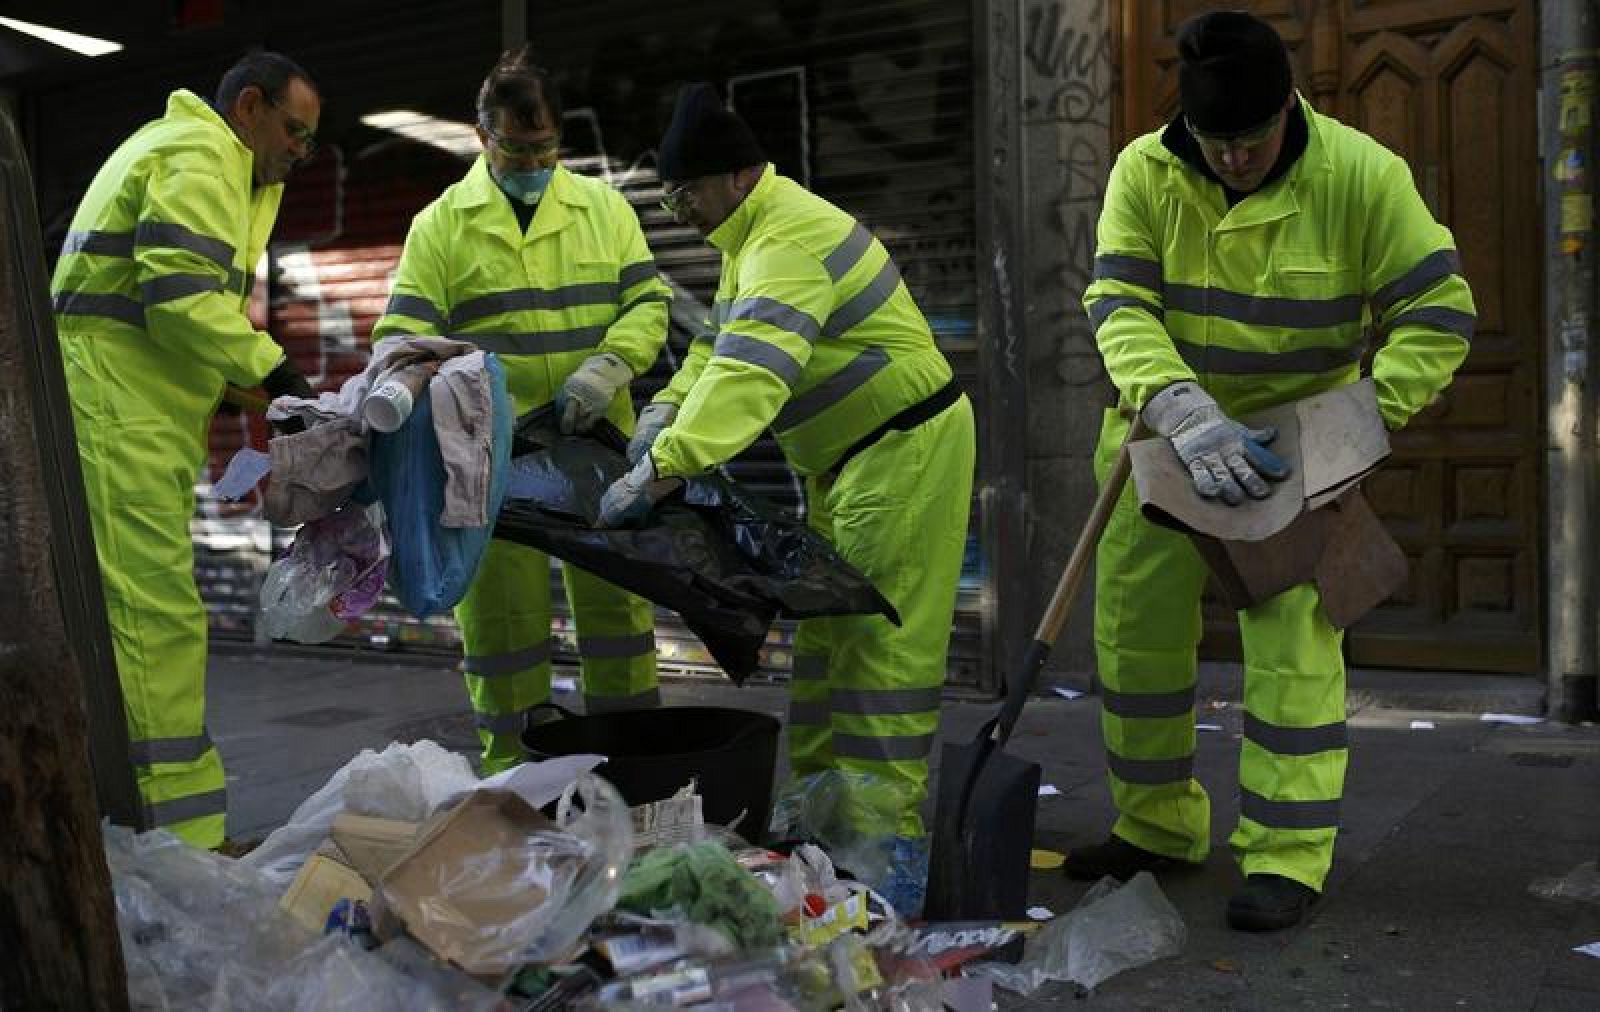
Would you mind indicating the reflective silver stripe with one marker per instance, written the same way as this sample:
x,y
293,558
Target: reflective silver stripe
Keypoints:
x,y
169,750
502,723
1151,772
848,253
105,244
537,342
808,713
1282,740
810,667
1235,362
768,356
632,274
597,647
1289,814
589,293
1432,269
416,307
884,702
832,390
865,302
493,665
116,307
1133,270
175,236
775,314
1265,310
170,287
644,300
1453,320
886,748
1103,308
612,704
1148,704
195,806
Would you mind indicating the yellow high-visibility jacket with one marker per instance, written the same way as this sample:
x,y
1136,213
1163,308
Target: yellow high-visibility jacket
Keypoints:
x,y
580,281
154,278
1276,298
812,333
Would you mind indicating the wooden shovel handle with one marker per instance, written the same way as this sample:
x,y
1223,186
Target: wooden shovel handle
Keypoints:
x,y
1066,592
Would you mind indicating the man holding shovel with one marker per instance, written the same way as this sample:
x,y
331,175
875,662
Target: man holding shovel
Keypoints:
x,y
549,270
814,335
1244,252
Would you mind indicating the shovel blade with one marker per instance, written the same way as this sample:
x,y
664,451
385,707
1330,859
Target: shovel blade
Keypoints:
x,y
978,866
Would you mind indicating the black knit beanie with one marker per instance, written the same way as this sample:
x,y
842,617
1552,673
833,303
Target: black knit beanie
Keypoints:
x,y
705,138
1234,72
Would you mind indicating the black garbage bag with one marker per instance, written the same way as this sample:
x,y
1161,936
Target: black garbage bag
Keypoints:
x,y
723,558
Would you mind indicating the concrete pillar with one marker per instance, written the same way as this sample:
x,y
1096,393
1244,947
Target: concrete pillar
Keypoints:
x,y
1569,68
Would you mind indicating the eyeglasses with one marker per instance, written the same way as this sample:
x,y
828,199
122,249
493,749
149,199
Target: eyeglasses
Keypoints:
x,y
677,198
298,131
540,150
1248,139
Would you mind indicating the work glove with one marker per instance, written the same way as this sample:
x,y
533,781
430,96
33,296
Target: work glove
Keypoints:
x,y
653,421
631,497
285,381
584,397
1223,457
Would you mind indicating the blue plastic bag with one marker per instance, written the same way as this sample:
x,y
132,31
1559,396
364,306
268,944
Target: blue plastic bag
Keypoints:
x,y
432,565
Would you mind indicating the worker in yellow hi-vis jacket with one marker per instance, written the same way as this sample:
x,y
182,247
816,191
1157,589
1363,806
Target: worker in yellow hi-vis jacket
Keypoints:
x,y
1245,252
550,271
814,335
150,300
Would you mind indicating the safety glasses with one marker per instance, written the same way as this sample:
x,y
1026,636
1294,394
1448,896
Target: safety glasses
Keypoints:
x,y
1249,139
537,150
297,131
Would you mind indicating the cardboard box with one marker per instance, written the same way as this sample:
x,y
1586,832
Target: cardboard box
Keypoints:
x,y
1315,527
321,883
372,845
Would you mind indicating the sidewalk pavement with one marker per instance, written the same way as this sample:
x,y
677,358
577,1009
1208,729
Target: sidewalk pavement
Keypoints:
x,y
1428,905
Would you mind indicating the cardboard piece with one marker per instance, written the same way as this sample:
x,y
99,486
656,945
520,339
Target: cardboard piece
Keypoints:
x,y
1315,527
321,883
371,845
471,883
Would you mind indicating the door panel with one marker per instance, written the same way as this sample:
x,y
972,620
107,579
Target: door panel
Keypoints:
x,y
1451,88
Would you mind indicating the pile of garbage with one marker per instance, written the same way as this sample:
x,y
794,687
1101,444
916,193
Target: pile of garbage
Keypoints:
x,y
407,883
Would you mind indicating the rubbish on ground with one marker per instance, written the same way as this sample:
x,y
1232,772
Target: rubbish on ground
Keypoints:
x,y
1581,883
1040,913
948,945
1048,790
678,819
322,882
1510,718
1112,929
371,845
564,683
1592,949
850,815
968,994
1065,693
1046,860
493,883
1422,725
703,884
1208,727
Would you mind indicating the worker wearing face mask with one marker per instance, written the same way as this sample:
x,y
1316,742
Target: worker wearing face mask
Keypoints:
x,y
550,271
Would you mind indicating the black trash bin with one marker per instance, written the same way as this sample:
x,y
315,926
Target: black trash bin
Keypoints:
x,y
651,754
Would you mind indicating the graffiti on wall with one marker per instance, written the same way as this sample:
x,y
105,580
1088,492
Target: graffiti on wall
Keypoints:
x,y
1067,105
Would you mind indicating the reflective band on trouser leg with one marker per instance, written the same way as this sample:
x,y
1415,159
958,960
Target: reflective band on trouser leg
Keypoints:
x,y
898,513
810,742
505,635
1292,761
158,633
1146,625
616,641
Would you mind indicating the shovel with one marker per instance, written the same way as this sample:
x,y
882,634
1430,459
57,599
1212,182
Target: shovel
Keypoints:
x,y
978,865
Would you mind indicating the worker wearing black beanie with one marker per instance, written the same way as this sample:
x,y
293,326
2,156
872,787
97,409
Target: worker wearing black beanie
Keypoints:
x,y
705,138
1233,72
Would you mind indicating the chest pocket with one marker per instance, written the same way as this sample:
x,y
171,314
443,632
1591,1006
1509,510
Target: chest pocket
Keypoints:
x,y
1329,287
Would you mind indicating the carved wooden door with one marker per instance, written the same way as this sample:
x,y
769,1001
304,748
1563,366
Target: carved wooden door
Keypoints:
x,y
1451,87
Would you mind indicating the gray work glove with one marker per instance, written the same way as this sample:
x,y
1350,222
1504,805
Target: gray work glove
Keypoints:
x,y
653,421
1224,458
631,497
586,395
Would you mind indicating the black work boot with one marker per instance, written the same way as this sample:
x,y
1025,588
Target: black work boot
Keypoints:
x,y
1117,858
1269,903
